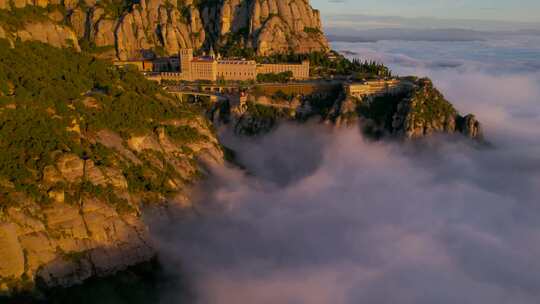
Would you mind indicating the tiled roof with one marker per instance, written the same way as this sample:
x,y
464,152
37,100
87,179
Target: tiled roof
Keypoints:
x,y
203,59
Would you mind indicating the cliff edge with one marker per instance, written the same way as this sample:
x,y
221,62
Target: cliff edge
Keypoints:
x,y
84,147
412,109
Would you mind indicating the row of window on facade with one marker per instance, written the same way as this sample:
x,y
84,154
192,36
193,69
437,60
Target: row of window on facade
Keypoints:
x,y
194,68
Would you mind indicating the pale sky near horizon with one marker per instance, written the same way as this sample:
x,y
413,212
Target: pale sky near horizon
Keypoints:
x,y
507,10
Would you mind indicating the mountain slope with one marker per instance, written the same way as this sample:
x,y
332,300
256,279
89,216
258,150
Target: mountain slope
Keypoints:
x,y
83,146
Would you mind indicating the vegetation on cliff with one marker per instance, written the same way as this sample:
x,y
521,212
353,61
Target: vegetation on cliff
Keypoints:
x,y
57,108
413,108
83,145
16,18
428,104
273,77
260,119
322,65
417,111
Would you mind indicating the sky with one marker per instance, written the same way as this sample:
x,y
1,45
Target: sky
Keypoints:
x,y
504,10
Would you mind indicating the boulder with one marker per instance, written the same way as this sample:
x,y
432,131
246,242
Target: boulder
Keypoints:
x,y
18,3
71,167
3,34
470,127
39,248
5,4
77,20
11,252
104,32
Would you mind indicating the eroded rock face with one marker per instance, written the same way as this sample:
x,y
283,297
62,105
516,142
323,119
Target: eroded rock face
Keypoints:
x,y
296,27
12,262
5,4
74,235
50,33
79,233
426,112
273,26
469,126
152,24
2,33
165,26
65,243
158,23
417,110
344,113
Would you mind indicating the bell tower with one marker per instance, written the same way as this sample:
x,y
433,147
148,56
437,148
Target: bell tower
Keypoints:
x,y
186,56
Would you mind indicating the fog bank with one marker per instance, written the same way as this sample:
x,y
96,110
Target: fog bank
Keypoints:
x,y
326,216
373,222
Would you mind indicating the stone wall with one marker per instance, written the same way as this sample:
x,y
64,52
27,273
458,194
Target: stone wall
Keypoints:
x,y
376,87
300,71
242,70
298,88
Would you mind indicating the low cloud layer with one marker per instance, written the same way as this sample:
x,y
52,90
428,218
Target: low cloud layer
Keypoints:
x,y
499,56
374,222
326,216
346,24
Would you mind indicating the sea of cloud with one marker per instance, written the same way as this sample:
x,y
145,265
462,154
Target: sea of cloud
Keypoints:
x,y
324,215
361,25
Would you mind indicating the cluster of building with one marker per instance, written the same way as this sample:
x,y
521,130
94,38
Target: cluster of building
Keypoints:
x,y
187,67
374,87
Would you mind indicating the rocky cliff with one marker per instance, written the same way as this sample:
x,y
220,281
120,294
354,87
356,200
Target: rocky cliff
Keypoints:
x,y
125,29
36,23
416,109
83,148
273,26
425,111
90,224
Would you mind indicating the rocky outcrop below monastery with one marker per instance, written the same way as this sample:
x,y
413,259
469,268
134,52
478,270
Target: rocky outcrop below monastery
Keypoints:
x,y
124,30
424,111
415,109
